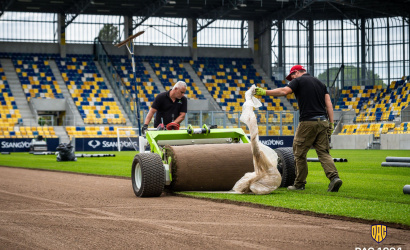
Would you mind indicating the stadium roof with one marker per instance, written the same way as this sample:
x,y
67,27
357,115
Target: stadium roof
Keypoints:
x,y
218,9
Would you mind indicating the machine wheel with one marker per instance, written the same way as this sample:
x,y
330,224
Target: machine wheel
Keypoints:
x,y
148,175
286,166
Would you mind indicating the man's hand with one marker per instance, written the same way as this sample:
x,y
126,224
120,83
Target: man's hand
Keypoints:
x,y
260,91
330,129
161,127
144,128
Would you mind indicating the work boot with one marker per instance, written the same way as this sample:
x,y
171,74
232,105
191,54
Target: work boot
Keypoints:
x,y
335,184
293,188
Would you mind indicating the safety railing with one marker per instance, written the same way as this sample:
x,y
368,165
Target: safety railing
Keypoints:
x,y
269,122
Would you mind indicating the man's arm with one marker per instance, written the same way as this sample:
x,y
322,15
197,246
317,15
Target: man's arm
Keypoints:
x,y
150,114
329,107
180,118
274,92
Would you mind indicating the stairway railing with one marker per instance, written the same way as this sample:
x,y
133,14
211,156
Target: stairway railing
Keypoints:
x,y
126,99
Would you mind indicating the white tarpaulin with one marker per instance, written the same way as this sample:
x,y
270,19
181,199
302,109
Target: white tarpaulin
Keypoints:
x,y
266,177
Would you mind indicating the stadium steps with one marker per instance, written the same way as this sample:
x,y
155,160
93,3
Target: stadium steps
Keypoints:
x,y
64,90
62,134
97,64
201,86
272,85
154,76
20,98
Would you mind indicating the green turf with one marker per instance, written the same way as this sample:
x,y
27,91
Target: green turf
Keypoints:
x,y
369,191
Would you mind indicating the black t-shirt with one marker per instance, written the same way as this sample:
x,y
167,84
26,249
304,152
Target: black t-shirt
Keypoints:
x,y
167,109
310,93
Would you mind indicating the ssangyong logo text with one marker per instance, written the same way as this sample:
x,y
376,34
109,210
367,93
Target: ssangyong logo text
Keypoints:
x,y
272,142
111,144
9,145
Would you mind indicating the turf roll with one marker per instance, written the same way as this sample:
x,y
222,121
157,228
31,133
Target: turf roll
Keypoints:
x,y
396,164
209,167
406,189
397,159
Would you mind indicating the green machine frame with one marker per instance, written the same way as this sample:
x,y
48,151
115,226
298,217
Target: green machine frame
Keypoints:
x,y
183,137
151,170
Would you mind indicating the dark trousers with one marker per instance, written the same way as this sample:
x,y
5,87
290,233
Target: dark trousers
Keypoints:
x,y
308,134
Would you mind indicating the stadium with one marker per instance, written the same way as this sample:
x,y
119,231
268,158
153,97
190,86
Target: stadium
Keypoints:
x,y
69,76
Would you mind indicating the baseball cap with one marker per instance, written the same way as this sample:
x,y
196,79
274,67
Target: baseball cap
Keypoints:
x,y
294,69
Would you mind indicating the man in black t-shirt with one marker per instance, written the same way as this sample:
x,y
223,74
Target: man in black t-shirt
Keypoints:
x,y
170,106
315,125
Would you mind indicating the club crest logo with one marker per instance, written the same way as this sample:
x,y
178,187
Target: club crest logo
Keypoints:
x,y
379,232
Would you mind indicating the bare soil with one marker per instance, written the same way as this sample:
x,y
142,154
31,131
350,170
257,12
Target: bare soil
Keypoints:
x,y
56,210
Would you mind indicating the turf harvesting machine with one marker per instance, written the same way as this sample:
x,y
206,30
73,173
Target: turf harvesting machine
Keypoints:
x,y
200,159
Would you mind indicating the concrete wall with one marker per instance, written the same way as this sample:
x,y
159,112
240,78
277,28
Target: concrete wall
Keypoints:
x,y
387,141
395,141
52,48
47,48
197,105
351,141
347,116
49,104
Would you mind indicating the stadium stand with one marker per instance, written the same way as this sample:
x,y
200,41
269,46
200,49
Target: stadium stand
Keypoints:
x,y
356,97
97,131
170,70
91,95
35,76
228,79
403,128
387,105
291,97
149,89
367,128
378,110
9,113
27,132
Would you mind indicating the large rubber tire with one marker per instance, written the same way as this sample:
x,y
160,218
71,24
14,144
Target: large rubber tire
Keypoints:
x,y
148,175
286,166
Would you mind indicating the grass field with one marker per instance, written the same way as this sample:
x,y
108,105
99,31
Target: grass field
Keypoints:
x,y
369,191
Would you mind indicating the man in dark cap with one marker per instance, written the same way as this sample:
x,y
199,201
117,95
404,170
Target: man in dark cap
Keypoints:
x,y
315,124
